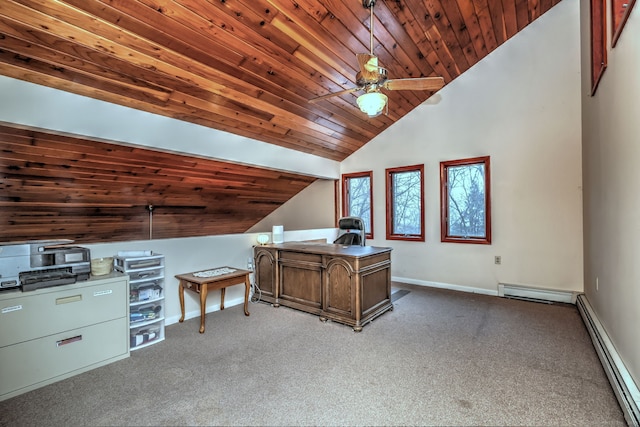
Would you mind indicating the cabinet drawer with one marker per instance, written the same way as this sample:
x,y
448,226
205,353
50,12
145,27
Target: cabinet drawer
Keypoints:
x,y
45,358
145,291
138,263
145,275
31,315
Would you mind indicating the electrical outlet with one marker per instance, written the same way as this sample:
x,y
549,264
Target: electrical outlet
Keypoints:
x,y
250,264
498,259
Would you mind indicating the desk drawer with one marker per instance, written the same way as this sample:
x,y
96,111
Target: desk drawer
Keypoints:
x,y
42,359
46,312
290,256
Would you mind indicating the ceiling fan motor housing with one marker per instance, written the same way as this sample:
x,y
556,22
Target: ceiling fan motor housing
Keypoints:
x,y
368,4
380,77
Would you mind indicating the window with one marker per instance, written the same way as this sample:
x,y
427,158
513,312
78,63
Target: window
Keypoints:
x,y
405,207
357,198
465,201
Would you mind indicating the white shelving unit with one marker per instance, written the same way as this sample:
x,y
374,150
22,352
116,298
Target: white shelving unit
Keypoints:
x,y
146,296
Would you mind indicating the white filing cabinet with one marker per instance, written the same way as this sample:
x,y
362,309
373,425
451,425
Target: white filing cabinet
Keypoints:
x,y
146,297
54,333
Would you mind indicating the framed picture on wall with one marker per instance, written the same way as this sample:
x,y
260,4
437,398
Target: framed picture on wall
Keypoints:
x,y
620,11
598,42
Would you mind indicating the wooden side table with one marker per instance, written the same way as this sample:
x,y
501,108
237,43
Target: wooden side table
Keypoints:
x,y
204,281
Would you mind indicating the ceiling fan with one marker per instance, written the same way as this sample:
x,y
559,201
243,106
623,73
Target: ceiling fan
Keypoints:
x,y
372,77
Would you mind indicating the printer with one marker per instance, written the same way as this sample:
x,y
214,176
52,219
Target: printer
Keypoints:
x,y
39,264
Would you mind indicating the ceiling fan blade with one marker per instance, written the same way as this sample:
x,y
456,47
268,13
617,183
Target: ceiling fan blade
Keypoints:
x,y
341,92
369,67
421,83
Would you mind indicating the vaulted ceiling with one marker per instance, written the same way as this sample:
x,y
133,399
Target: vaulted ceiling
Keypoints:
x,y
249,67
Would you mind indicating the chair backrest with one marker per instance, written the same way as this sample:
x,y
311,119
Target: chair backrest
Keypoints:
x,y
351,231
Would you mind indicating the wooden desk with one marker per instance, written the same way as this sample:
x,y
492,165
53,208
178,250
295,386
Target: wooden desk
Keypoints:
x,y
347,284
203,285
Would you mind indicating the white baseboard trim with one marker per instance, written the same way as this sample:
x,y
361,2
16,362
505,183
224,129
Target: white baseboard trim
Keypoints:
x,y
621,381
444,286
533,293
196,313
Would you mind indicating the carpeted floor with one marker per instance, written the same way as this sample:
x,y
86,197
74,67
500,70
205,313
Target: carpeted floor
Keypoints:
x,y
439,358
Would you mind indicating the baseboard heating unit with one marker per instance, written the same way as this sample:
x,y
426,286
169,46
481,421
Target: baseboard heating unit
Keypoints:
x,y
623,385
530,293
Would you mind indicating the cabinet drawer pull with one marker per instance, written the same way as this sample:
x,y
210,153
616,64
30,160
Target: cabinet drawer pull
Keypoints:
x,y
12,308
68,340
67,300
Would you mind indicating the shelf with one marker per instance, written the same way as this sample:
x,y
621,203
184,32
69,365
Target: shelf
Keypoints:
x,y
129,264
140,323
148,301
146,279
147,334
140,276
147,344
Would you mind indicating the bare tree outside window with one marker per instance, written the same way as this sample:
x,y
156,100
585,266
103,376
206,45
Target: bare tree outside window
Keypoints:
x,y
358,198
405,209
465,199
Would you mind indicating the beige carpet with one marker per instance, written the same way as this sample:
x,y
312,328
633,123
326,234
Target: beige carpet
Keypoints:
x,y
439,358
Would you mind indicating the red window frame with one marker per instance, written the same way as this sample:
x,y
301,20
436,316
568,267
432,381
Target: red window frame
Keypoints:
x,y
444,201
345,196
391,235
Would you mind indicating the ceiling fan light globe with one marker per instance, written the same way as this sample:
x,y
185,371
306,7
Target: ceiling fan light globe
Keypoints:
x,y
372,103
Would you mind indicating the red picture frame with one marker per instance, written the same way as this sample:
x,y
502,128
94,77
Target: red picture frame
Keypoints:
x,y
598,42
620,11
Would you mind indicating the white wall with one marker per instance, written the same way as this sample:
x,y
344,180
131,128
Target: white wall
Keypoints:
x,y
611,146
191,254
313,207
521,106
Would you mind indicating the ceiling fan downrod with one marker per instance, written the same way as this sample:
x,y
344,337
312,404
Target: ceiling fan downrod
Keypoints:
x,y
369,4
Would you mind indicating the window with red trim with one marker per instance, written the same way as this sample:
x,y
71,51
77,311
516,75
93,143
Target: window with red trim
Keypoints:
x,y
405,203
465,196
357,198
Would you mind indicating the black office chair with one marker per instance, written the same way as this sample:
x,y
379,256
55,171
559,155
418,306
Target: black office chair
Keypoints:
x,y
351,231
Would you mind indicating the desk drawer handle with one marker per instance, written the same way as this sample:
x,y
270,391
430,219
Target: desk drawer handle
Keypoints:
x,y
67,300
68,340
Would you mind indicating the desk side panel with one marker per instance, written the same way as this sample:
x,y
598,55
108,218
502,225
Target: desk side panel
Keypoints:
x,y
376,290
266,269
340,295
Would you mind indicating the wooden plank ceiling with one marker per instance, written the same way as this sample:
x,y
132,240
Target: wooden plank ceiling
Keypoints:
x,y
249,67
56,186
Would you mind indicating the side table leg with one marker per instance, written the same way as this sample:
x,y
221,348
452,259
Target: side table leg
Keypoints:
x,y
247,287
203,306
181,297
222,292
